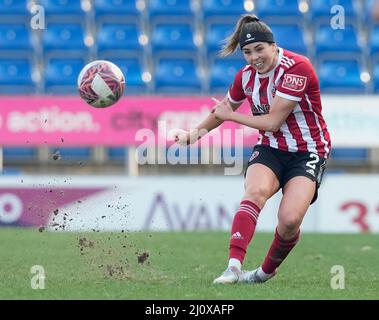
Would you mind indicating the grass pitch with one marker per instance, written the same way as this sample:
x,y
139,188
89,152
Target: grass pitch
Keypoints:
x,y
179,266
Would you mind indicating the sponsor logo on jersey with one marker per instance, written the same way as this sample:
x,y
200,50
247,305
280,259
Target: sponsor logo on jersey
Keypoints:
x,y
263,108
294,82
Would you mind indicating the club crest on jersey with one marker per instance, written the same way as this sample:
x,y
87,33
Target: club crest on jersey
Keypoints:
x,y
294,82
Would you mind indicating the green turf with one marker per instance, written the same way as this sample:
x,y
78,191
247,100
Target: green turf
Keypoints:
x,y
179,266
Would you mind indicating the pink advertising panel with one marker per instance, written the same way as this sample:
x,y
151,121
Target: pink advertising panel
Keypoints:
x,y
31,206
38,120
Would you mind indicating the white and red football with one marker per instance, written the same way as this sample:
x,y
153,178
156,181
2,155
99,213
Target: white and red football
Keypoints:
x,y
101,83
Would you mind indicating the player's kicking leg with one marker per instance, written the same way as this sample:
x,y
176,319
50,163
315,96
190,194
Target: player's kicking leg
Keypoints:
x,y
297,196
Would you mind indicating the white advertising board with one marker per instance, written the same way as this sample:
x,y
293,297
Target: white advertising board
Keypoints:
x,y
348,203
352,120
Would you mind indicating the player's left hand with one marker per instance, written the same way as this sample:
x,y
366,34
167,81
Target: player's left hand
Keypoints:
x,y
222,110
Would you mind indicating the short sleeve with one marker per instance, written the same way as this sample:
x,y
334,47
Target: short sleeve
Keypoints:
x,y
295,82
236,93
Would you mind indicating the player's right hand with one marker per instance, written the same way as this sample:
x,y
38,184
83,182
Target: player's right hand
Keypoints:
x,y
182,137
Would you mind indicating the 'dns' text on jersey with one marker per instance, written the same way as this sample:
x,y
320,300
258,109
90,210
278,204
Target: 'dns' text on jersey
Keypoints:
x,y
293,78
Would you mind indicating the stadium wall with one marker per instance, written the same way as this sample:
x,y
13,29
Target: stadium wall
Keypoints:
x,y
347,203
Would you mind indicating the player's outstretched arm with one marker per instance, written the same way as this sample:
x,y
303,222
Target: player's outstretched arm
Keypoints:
x,y
272,121
184,137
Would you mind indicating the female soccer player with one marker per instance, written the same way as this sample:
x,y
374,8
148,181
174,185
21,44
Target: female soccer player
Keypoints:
x,y
283,91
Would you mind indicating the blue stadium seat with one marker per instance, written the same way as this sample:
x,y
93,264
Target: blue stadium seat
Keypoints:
x,y
64,40
373,40
215,34
14,11
117,154
235,151
295,42
159,10
10,171
61,75
132,68
15,37
222,9
184,154
350,155
376,77
320,10
61,6
368,7
111,10
19,154
73,153
247,153
16,76
116,7
340,41
177,75
279,11
339,76
114,37
222,73
68,10
173,37
13,7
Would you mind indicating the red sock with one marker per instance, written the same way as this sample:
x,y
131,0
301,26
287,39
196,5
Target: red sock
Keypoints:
x,y
243,229
279,250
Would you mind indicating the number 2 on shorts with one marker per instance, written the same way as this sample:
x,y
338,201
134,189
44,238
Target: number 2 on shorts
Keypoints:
x,y
312,163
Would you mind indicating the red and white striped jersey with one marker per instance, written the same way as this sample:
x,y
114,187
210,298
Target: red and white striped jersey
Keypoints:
x,y
293,78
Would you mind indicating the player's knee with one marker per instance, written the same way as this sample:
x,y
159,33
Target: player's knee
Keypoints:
x,y
257,194
290,222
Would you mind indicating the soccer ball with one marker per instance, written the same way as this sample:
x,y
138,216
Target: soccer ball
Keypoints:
x,y
101,83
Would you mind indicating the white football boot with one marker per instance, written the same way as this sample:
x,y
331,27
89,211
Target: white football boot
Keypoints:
x,y
255,276
231,275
